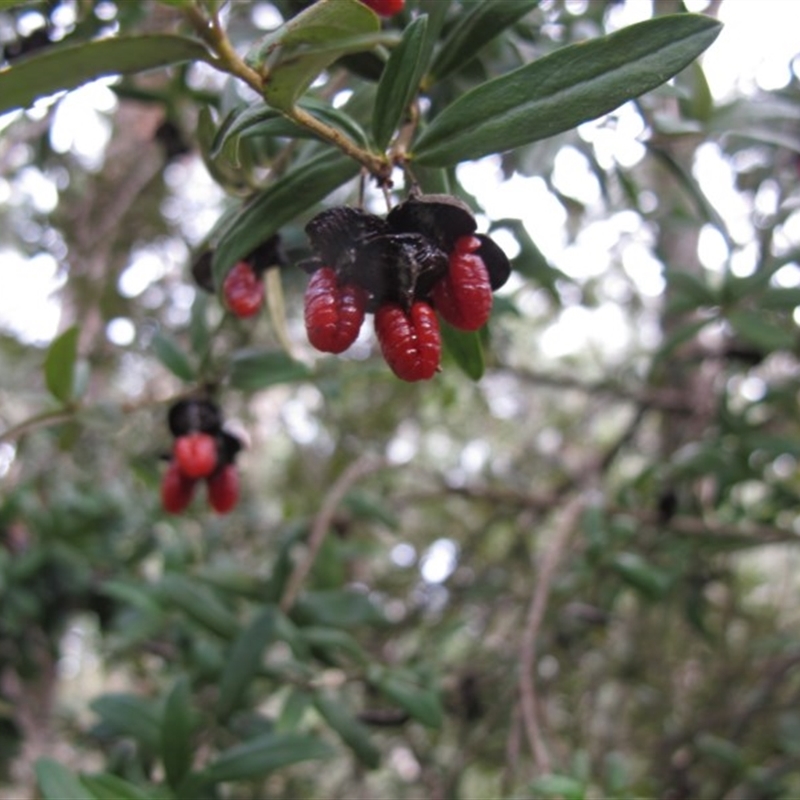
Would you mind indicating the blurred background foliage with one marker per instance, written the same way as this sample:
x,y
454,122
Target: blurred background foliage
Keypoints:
x,y
573,578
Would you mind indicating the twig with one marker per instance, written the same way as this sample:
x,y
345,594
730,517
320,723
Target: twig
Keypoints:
x,y
512,751
536,611
680,525
228,60
322,523
43,420
661,399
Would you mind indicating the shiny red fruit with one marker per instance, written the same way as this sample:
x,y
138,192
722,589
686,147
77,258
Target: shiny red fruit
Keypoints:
x,y
464,296
223,489
386,8
333,313
410,341
176,489
196,454
243,290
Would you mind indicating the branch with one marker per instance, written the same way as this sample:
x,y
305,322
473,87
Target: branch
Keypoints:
x,y
43,420
322,523
536,611
228,60
682,525
649,398
212,33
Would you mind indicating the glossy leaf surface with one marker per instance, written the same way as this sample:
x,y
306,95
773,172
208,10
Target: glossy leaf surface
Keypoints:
x,y
70,66
278,204
59,364
560,91
399,81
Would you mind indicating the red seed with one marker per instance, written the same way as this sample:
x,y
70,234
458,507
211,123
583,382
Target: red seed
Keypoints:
x,y
464,296
386,8
196,454
223,489
243,290
333,313
410,342
176,489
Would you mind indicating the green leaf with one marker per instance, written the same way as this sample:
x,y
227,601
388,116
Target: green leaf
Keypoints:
x,y
780,299
641,575
256,369
176,733
681,335
722,750
59,364
56,782
558,787
276,305
531,262
420,702
560,91
293,710
68,66
366,505
399,82
172,357
692,286
199,334
235,581
198,604
131,594
244,660
354,734
106,785
754,329
700,103
130,715
261,121
224,168
282,201
263,754
328,639
341,608
474,29
299,50
465,348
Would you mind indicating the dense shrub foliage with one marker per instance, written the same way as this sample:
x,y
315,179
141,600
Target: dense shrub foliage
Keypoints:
x,y
415,413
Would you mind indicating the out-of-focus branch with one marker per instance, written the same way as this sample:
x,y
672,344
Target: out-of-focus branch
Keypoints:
x,y
533,623
43,420
680,525
646,397
322,523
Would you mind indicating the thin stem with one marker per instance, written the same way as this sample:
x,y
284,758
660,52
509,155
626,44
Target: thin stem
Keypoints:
x,y
322,523
536,611
377,165
212,33
228,60
43,420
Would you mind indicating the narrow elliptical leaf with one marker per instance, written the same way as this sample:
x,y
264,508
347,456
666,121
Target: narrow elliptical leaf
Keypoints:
x,y
399,82
67,67
560,91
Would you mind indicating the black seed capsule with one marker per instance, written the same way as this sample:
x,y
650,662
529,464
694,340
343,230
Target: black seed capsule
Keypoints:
x,y
334,234
398,268
440,217
497,264
194,415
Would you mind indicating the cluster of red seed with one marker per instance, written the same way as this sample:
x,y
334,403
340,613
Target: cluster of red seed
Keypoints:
x,y
424,258
243,290
386,8
243,287
201,451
